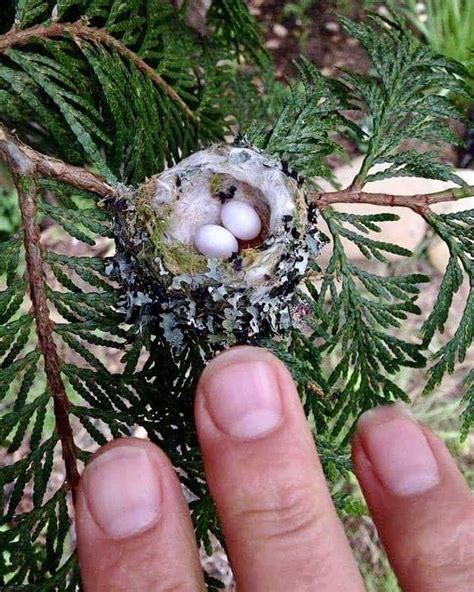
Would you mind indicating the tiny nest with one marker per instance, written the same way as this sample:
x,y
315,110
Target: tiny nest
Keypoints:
x,y
183,294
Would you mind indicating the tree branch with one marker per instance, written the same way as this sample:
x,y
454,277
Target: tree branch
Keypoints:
x,y
80,30
29,162
35,271
23,160
419,203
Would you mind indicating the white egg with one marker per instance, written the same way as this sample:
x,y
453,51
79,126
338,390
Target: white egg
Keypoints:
x,y
241,219
212,240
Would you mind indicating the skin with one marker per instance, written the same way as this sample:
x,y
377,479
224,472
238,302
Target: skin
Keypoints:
x,y
281,529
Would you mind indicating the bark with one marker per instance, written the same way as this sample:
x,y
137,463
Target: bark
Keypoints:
x,y
44,327
419,203
22,159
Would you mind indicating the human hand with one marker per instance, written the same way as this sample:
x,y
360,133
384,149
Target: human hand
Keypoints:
x,y
281,528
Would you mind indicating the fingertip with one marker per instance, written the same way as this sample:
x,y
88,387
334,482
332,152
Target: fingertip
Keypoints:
x,y
393,450
132,521
122,487
382,414
398,450
420,503
265,476
239,354
151,450
242,394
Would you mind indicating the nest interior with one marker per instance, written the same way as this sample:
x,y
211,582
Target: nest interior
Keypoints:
x,y
198,187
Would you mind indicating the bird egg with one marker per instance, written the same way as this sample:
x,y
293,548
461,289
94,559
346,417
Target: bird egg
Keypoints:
x,y
216,241
241,220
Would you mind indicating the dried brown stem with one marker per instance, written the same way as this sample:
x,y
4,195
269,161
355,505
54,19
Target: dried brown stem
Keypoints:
x,y
419,203
80,30
44,327
24,160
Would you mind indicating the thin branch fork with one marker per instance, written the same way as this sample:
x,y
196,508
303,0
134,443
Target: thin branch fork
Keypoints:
x,y
22,159
81,30
44,328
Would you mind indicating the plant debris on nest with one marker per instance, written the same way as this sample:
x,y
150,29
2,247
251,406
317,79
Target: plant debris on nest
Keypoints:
x,y
183,294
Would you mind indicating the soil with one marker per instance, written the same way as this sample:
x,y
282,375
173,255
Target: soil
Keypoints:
x,y
315,34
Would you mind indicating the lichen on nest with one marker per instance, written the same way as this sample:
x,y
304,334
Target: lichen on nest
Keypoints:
x,y
189,297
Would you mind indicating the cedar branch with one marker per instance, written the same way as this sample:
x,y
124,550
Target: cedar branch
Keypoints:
x,y
20,157
419,203
24,160
80,30
44,328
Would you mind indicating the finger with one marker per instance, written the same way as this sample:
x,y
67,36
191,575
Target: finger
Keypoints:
x,y
420,503
133,526
280,526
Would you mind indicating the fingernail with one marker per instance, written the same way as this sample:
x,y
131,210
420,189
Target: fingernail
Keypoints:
x,y
123,491
398,451
243,399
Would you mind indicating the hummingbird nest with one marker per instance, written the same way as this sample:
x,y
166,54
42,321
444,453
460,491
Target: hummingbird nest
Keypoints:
x,y
187,296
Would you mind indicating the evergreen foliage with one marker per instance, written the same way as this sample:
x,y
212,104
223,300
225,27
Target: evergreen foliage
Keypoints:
x,y
308,114
456,230
9,215
80,98
365,310
405,101
127,88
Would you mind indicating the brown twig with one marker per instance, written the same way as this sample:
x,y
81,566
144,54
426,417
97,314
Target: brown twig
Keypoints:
x,y
80,30
419,203
20,157
44,327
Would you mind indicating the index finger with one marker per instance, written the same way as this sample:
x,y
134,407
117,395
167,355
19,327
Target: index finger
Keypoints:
x,y
281,528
